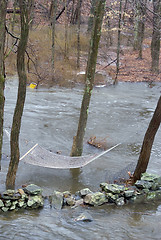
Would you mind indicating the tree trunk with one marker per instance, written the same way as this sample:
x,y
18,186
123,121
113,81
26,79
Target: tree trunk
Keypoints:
x,y
78,32
53,23
118,43
155,44
139,26
13,20
16,124
91,17
66,47
3,6
77,147
76,12
148,142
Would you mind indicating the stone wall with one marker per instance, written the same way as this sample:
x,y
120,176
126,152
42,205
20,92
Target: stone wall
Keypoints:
x,y
29,197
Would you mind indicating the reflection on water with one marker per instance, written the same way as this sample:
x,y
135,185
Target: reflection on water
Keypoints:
x,y
50,118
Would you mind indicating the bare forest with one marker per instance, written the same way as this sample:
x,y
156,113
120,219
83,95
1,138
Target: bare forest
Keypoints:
x,y
58,44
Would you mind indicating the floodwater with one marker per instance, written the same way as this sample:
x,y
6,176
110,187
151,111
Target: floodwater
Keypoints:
x,y
121,114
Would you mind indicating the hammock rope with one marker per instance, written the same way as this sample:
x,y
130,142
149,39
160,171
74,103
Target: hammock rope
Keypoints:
x,y
39,156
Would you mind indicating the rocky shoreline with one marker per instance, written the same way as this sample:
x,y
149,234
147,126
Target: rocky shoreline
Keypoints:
x,y
30,197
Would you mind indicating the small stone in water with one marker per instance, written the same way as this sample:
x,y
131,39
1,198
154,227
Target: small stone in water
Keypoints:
x,y
120,201
85,217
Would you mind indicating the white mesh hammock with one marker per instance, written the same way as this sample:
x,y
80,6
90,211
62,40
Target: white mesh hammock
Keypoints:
x,y
39,156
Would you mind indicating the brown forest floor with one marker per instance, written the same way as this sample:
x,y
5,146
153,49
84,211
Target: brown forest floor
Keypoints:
x,y
133,69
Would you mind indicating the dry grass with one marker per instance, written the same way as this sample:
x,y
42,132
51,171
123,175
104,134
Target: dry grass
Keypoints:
x,y
39,49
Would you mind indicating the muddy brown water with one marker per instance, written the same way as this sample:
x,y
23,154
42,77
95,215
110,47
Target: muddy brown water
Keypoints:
x,y
121,114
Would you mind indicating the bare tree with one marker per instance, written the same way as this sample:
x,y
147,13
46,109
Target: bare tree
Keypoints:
x,y
25,7
139,25
3,6
118,43
77,147
148,142
53,23
155,44
78,31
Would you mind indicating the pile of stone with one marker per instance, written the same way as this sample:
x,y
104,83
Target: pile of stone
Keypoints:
x,y
28,197
148,188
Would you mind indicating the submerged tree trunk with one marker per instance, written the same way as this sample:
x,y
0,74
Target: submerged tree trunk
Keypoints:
x,y
3,6
148,142
77,147
14,141
155,44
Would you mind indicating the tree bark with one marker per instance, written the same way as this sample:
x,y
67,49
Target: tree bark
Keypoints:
x,y
155,44
118,43
139,26
77,147
16,124
148,142
3,6
53,23
91,17
78,32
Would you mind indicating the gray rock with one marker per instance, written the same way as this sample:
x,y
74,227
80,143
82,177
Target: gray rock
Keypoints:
x,y
12,208
35,201
70,201
67,194
5,209
84,192
143,184
85,217
1,203
129,193
32,189
120,201
112,197
8,203
151,178
10,195
95,199
112,188
21,203
78,203
57,200
14,203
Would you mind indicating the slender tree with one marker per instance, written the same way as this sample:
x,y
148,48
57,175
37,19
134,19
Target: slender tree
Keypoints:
x,y
91,16
148,142
3,6
78,32
155,44
53,23
77,147
25,6
139,25
118,43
